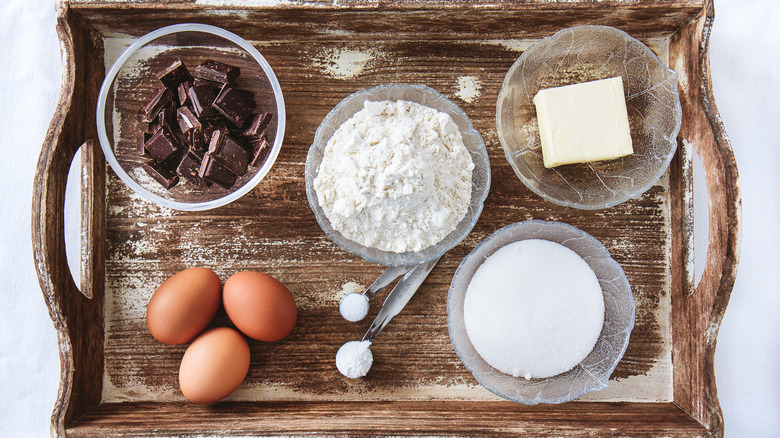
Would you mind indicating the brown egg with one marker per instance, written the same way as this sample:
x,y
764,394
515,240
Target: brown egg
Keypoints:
x,y
214,365
183,306
259,305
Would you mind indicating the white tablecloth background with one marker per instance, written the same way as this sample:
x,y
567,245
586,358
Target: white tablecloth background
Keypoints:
x,y
745,66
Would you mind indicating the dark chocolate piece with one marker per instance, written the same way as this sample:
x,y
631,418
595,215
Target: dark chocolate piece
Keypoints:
x,y
209,126
217,85
172,163
234,104
187,121
202,96
211,170
164,176
190,167
156,102
174,75
229,153
162,144
183,90
260,150
217,71
183,140
198,142
256,126
143,137
166,116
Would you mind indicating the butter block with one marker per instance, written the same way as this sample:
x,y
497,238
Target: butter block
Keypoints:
x,y
583,122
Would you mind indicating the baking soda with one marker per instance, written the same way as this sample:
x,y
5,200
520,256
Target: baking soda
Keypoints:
x,y
354,359
353,307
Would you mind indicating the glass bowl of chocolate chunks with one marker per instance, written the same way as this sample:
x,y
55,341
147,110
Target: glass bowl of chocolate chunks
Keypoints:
x,y
191,117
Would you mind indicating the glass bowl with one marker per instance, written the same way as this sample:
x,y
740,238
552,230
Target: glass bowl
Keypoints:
x,y
580,54
132,79
424,95
592,374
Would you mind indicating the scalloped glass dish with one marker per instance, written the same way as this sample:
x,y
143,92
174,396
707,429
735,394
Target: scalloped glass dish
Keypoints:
x,y
592,374
580,54
423,95
132,78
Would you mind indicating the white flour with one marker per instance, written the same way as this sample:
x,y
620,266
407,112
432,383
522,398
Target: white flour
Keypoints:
x,y
396,176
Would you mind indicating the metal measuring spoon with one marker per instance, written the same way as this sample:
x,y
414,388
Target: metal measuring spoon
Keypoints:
x,y
354,358
354,306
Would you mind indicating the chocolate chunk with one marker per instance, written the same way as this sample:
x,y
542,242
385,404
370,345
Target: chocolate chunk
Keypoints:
x,y
260,150
143,137
187,121
164,176
202,96
166,116
218,72
229,153
197,141
256,126
217,85
190,167
162,144
172,163
174,75
183,90
156,102
209,126
211,170
234,104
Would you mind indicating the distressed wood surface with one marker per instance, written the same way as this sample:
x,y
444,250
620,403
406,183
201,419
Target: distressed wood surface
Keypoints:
x,y
117,380
77,320
700,311
402,20
147,244
420,418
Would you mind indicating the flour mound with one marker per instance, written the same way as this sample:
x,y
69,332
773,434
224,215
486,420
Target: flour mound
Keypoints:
x,y
396,176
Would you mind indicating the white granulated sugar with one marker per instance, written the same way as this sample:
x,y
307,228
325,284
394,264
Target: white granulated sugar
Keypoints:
x,y
534,309
396,176
353,307
354,359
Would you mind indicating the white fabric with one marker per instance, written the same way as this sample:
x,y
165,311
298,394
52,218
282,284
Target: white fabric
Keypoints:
x,y
746,74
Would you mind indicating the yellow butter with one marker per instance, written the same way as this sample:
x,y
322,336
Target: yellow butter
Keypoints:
x,y
583,122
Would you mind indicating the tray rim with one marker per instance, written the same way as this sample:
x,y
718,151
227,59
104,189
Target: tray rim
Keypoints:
x,y
723,254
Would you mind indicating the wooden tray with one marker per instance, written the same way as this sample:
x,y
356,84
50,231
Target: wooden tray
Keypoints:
x,y
117,380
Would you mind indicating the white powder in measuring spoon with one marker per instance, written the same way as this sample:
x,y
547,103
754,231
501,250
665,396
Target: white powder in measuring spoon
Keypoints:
x,y
354,359
396,176
534,309
353,307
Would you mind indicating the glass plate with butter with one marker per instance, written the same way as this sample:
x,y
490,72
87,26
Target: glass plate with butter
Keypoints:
x,y
589,117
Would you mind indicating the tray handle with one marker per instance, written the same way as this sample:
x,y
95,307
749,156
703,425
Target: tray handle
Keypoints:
x,y
77,320
706,133
699,311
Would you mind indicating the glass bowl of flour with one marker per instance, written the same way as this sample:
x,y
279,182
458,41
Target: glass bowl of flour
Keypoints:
x,y
541,342
397,174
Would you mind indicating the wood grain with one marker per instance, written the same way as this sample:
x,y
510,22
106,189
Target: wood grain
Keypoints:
x,y
117,380
417,354
702,311
78,321
404,20
423,418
